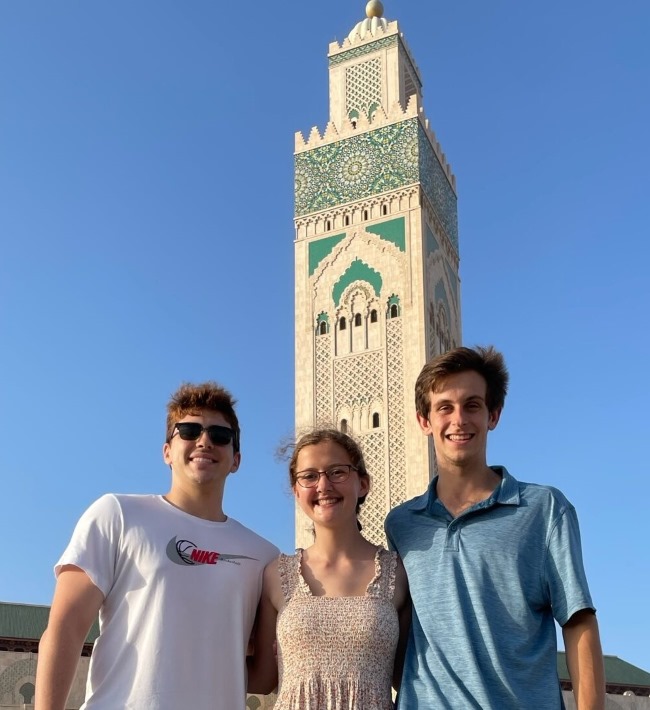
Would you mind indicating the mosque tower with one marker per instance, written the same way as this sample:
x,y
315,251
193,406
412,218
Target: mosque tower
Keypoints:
x,y
376,252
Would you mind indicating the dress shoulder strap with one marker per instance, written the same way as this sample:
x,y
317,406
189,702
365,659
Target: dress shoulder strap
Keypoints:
x,y
383,584
289,570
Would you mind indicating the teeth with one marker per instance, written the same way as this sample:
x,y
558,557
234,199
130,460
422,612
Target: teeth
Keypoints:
x,y
460,437
200,459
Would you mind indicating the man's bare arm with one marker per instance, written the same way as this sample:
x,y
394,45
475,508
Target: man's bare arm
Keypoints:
x,y
75,606
585,660
262,665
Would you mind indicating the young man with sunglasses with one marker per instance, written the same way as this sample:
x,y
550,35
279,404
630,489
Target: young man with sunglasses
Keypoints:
x,y
175,581
492,563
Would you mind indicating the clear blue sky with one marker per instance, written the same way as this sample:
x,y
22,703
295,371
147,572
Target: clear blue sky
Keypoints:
x,y
146,196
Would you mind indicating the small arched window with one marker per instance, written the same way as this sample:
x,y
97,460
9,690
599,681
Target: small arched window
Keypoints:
x,y
365,214
357,319
342,323
328,225
384,210
27,693
373,316
344,426
375,420
322,328
394,311
347,220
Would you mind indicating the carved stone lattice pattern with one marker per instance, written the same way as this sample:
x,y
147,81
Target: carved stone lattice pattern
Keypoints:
x,y
396,433
357,379
373,511
25,668
323,393
363,86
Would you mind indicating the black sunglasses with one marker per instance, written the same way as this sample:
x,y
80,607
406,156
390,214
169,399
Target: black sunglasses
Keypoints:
x,y
219,435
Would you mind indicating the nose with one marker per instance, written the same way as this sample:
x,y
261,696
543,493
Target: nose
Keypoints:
x,y
458,416
204,440
324,483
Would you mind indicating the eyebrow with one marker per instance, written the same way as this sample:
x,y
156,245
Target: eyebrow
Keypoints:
x,y
472,397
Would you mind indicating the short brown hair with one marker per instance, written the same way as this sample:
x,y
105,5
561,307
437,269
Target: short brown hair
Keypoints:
x,y
193,399
487,361
318,436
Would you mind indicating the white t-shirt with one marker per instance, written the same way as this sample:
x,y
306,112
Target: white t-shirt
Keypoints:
x,y
180,600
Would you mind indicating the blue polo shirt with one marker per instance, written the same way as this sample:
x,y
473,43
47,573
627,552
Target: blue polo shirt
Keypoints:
x,y
486,588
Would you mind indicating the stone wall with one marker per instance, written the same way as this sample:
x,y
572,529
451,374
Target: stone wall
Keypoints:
x,y
613,702
18,678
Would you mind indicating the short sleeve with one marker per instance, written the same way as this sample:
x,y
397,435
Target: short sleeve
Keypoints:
x,y
388,530
95,542
564,568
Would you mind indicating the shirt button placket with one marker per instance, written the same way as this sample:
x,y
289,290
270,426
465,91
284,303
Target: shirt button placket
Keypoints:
x,y
453,533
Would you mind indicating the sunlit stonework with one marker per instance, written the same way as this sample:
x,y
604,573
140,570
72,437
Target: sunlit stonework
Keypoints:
x,y
377,288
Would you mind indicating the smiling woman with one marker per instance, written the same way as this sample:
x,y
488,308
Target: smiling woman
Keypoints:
x,y
339,609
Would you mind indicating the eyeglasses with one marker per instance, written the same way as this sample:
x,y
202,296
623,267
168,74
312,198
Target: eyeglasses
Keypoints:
x,y
219,435
335,474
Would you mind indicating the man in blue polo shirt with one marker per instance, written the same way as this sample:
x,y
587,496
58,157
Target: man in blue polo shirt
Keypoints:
x,y
492,563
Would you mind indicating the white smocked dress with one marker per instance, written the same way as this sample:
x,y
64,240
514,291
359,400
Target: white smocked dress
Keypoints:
x,y
336,653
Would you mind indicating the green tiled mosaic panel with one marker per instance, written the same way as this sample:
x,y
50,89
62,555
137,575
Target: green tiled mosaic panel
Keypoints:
x,y
357,52
392,230
356,167
453,280
441,295
432,242
320,248
361,166
437,187
357,271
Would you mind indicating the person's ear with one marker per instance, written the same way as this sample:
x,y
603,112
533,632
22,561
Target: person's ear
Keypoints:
x,y
493,419
424,424
167,453
365,486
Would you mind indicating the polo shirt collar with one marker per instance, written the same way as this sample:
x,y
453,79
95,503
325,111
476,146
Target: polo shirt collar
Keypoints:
x,y
508,490
506,493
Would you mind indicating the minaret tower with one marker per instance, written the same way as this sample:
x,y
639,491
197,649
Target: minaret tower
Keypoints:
x,y
377,288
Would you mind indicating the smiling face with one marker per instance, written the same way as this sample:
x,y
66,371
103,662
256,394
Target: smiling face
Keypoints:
x,y
459,421
200,464
329,503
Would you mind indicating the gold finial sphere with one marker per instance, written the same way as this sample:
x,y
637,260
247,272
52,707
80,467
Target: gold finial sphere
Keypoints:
x,y
374,9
